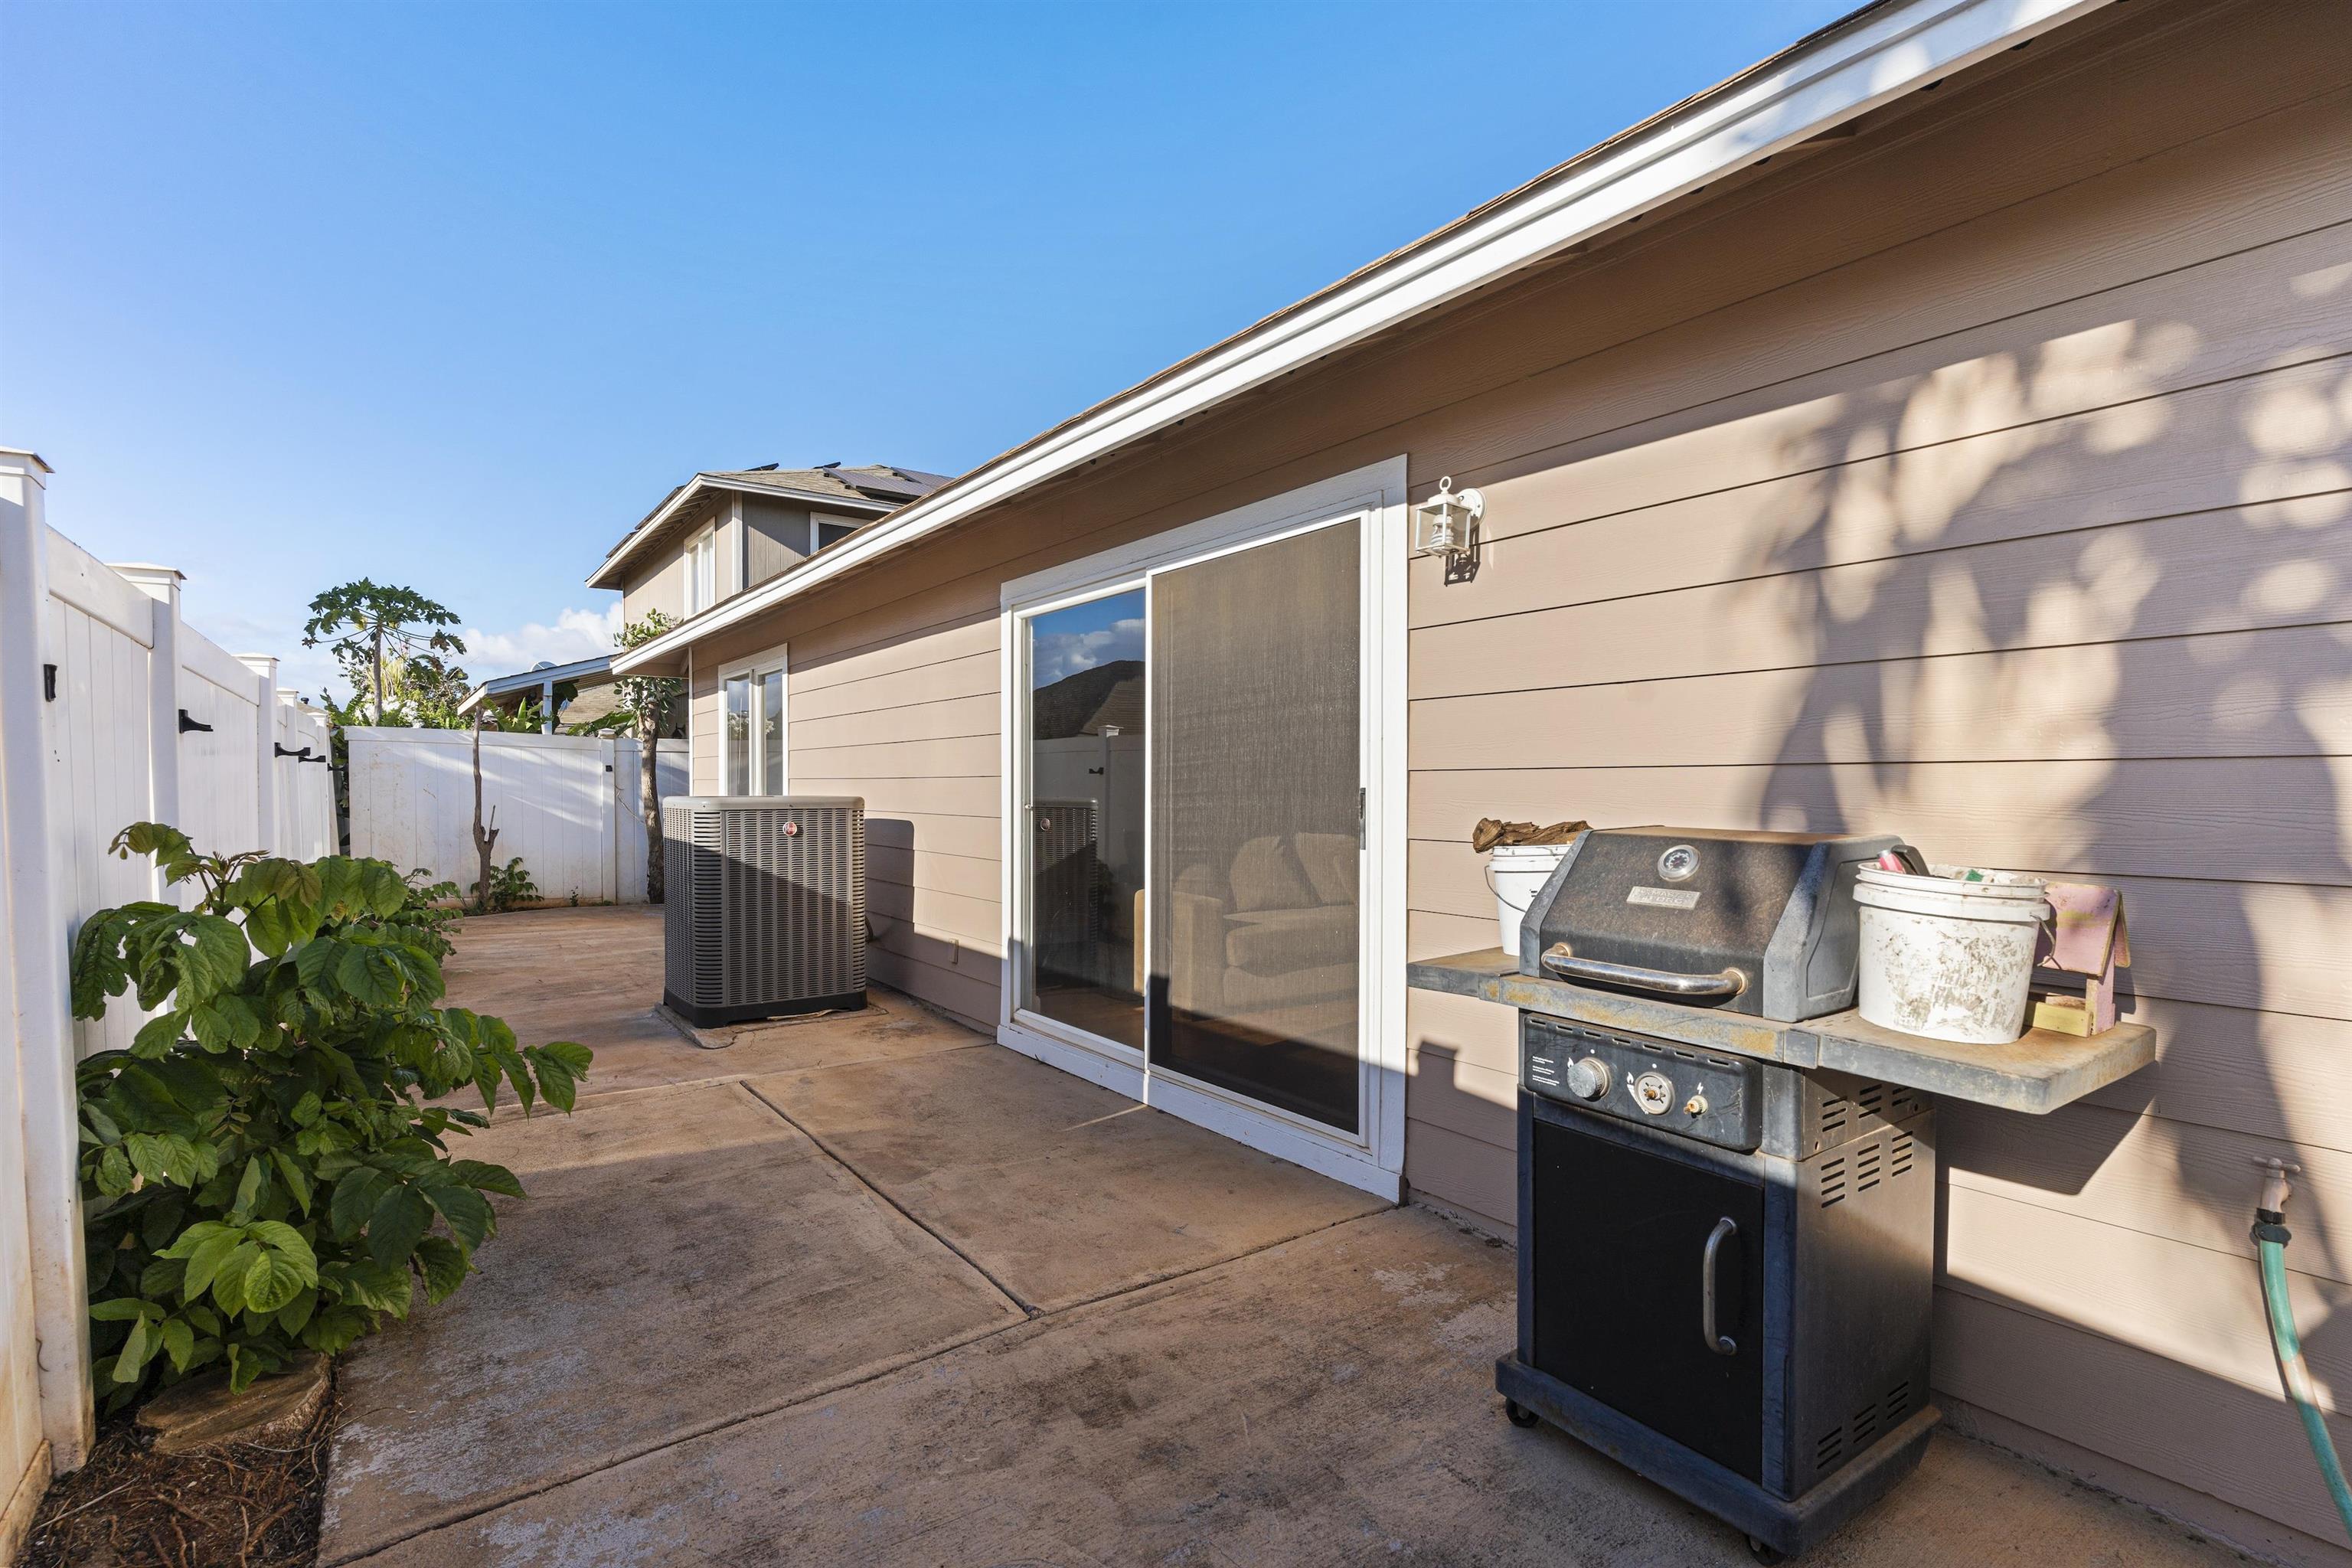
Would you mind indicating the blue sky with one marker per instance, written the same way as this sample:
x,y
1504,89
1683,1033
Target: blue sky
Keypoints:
x,y
451,294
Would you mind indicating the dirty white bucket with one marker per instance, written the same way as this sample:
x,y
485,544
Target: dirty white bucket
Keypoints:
x,y
1517,873
1947,958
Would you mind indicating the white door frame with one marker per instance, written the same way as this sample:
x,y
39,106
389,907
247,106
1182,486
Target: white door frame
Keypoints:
x,y
1373,1157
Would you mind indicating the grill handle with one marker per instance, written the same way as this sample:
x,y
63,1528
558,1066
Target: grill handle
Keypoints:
x,y
1663,982
1721,1344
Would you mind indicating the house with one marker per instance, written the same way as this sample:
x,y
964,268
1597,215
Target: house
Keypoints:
x,y
1940,428
710,538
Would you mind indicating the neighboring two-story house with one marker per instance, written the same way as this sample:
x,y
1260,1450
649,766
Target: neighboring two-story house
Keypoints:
x,y
711,537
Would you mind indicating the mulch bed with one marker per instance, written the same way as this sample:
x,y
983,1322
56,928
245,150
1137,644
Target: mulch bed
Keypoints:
x,y
243,1507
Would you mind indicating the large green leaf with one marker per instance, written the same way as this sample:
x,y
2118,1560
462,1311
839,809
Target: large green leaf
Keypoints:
x,y
398,1224
205,1258
283,1238
468,1212
356,1196
298,1183
487,1178
215,958
158,1035
272,1282
225,1022
250,1187
179,1341
444,1266
229,1281
132,1359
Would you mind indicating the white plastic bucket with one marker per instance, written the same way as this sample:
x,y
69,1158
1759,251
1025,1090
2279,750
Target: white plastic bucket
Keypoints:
x,y
1947,959
1517,873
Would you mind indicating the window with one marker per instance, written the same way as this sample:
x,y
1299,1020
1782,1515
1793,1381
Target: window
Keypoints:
x,y
701,572
825,530
752,735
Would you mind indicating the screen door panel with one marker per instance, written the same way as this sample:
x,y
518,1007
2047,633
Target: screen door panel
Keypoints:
x,y
1256,828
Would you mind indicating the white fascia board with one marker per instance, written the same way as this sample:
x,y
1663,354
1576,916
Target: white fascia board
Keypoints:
x,y
1891,52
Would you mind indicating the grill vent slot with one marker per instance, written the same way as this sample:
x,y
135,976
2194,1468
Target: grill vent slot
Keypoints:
x,y
1833,1114
1899,1160
1871,1097
1866,1165
1832,1180
1866,1426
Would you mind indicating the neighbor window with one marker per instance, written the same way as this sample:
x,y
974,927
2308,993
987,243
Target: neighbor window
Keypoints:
x,y
752,735
825,530
701,572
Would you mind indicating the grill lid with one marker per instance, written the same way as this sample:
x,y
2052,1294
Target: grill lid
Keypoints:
x,y
1762,923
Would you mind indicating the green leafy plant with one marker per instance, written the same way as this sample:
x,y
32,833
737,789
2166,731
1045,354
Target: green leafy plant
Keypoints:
x,y
392,642
510,886
267,1168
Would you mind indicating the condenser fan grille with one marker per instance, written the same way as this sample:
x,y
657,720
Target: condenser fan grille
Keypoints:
x,y
766,905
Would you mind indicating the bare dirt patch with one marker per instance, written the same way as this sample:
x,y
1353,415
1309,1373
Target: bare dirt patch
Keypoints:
x,y
241,1506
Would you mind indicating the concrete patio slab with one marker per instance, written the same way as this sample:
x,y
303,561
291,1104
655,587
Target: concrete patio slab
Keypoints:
x,y
708,1341
1063,1192
594,975
685,1259
1326,1401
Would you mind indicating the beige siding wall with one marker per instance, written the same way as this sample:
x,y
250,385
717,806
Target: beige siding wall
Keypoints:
x,y
1988,477
661,587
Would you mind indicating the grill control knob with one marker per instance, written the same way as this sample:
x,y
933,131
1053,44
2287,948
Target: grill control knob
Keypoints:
x,y
1654,1093
1588,1078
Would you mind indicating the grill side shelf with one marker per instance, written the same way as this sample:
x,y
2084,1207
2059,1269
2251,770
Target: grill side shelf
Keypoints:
x,y
2035,1074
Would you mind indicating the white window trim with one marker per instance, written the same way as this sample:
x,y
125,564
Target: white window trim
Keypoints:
x,y
820,521
770,659
1373,1159
702,545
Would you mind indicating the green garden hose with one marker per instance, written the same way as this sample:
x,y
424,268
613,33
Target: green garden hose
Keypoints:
x,y
2269,1234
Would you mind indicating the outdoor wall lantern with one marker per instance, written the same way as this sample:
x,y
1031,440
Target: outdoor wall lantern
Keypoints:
x,y
1447,524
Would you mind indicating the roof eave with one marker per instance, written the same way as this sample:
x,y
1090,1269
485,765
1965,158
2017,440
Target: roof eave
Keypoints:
x,y
1816,85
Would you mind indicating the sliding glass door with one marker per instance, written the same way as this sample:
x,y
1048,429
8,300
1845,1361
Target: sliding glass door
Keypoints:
x,y
1086,739
1190,781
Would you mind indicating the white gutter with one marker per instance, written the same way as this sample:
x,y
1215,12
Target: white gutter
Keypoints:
x,y
1896,50
701,482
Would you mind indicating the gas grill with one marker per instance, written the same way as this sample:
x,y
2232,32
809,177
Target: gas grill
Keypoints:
x,y
1761,924
1725,1262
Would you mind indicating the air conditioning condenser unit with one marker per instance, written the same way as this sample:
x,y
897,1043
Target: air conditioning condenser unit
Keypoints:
x,y
766,906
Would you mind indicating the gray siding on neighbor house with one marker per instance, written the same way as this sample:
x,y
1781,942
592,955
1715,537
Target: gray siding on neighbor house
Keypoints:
x,y
776,534
1982,476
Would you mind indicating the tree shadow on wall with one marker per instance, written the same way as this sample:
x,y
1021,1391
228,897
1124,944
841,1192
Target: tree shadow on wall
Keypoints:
x,y
2112,646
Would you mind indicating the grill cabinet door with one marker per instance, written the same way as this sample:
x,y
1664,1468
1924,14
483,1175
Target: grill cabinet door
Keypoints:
x,y
1620,1235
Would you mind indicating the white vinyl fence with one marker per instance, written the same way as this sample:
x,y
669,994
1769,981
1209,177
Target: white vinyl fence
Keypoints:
x,y
111,711
566,804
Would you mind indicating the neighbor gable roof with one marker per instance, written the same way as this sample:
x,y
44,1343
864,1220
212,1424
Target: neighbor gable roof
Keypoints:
x,y
866,490
1869,57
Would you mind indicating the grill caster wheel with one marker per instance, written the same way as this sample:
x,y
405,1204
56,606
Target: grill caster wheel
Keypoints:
x,y
1519,1415
1763,1553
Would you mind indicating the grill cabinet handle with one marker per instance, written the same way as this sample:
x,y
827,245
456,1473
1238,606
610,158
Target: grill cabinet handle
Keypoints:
x,y
1721,1344
1664,982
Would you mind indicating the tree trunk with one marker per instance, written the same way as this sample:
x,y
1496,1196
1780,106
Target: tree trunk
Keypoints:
x,y
649,798
379,699
485,839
